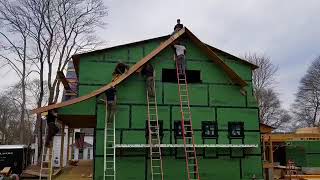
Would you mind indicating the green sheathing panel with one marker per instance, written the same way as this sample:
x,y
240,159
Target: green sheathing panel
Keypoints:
x,y
82,108
133,91
251,99
304,153
98,168
197,94
226,95
221,168
130,168
86,89
251,166
95,72
297,154
244,71
135,53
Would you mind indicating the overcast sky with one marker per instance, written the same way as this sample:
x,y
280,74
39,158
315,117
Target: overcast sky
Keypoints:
x,y
287,31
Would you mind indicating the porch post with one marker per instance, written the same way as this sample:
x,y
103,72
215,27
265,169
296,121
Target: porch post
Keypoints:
x,y
62,145
68,145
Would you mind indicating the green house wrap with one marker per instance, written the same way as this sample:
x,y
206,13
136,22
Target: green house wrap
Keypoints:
x,y
221,100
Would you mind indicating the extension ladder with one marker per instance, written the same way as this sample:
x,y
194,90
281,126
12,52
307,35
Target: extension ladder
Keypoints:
x,y
45,150
154,137
109,149
186,123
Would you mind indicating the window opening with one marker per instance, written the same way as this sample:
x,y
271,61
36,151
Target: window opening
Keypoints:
x,y
170,75
154,123
236,129
209,129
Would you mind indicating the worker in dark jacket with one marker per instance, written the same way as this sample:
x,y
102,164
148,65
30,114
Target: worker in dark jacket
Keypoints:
x,y
120,69
52,128
177,27
147,72
111,103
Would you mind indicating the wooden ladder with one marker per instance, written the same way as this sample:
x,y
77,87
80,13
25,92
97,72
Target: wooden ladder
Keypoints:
x,y
186,124
154,137
44,160
109,149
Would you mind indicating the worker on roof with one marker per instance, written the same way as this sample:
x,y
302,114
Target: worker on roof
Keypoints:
x,y
178,26
180,52
120,69
52,128
147,71
111,103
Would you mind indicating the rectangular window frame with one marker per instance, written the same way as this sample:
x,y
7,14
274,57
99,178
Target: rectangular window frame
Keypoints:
x,y
204,136
230,126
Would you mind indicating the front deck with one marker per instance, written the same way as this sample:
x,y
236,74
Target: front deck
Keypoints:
x,y
82,171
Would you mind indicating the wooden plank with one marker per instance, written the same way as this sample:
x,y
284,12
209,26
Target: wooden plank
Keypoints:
x,y
63,79
117,81
290,137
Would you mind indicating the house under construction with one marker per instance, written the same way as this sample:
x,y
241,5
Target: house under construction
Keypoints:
x,y
202,123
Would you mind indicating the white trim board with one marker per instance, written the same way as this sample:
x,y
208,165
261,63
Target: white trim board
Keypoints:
x,y
189,145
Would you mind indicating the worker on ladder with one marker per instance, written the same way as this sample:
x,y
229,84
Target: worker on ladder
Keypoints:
x,y
111,103
180,52
52,127
147,72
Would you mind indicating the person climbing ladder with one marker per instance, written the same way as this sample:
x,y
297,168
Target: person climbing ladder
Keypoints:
x,y
111,103
147,72
180,52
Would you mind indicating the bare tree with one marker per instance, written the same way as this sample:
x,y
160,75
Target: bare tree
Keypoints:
x,y
271,112
10,103
307,103
263,79
8,113
59,29
14,51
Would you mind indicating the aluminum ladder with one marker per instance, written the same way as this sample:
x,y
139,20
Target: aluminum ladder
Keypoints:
x,y
154,136
186,124
109,149
44,158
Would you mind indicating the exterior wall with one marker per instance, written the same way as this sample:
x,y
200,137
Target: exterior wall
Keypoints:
x,y
304,153
215,99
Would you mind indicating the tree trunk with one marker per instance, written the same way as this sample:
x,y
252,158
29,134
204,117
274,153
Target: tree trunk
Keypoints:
x,y
23,92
